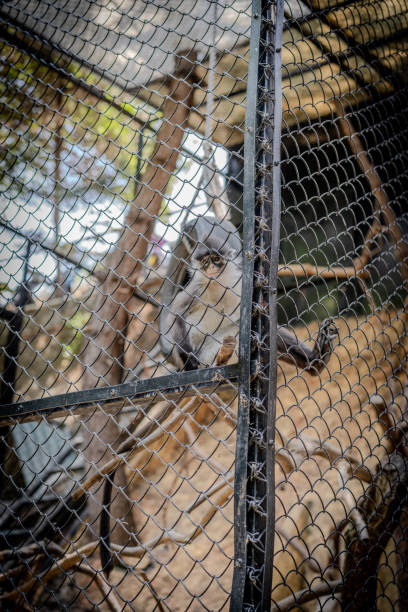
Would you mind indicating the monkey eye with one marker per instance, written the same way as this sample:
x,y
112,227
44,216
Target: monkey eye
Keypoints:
x,y
205,261
216,259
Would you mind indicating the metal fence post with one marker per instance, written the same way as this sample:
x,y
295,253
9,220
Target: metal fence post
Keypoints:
x,y
254,485
244,392
271,187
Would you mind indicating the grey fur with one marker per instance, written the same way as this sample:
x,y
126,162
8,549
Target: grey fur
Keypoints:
x,y
195,318
207,309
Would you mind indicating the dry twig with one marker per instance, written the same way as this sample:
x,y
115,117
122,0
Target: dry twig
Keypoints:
x,y
308,269
139,446
297,544
382,203
352,511
305,595
307,447
105,589
198,453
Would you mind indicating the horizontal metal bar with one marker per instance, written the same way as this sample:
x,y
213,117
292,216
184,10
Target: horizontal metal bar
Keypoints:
x,y
171,383
116,406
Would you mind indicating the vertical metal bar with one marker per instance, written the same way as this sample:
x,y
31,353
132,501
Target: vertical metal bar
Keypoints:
x,y
260,410
241,455
260,325
254,503
273,117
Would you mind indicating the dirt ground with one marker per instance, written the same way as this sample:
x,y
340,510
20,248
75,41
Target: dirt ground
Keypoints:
x,y
189,459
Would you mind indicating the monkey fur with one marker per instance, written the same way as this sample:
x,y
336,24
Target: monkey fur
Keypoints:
x,y
207,309
203,319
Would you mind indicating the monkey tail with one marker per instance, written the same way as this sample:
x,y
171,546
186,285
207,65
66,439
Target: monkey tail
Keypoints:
x,y
104,528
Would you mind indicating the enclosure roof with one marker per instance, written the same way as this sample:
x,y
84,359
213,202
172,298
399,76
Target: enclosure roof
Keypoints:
x,y
134,42
131,47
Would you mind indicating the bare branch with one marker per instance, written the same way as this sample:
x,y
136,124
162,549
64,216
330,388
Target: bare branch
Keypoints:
x,y
105,589
305,595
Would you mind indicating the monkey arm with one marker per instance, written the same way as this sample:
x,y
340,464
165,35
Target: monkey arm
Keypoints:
x,y
178,331
292,350
184,349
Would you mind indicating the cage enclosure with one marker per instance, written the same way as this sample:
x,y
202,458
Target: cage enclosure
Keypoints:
x,y
203,316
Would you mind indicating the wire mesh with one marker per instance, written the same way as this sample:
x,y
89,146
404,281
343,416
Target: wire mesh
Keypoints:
x,y
118,122
340,489
162,346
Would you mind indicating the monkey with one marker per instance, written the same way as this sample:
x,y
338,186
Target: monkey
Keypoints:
x,y
207,310
202,319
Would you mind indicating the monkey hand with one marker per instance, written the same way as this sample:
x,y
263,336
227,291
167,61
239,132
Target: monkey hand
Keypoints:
x,y
227,348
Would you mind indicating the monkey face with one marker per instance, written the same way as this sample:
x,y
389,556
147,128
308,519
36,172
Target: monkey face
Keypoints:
x,y
211,263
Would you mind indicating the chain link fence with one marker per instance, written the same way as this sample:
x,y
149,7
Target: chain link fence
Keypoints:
x,y
203,305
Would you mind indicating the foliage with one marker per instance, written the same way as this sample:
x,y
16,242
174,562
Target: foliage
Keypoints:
x,y
76,323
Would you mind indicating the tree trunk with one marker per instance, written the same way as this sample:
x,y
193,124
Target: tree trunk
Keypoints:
x,y
109,321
